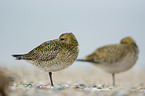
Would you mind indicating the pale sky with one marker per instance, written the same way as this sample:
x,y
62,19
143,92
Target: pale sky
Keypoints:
x,y
25,24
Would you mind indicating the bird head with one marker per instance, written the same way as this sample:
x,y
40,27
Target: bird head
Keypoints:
x,y
68,38
128,40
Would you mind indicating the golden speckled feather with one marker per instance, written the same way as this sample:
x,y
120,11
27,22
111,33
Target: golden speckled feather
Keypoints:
x,y
53,55
115,58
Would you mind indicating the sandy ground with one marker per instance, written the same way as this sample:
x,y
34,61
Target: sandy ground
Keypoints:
x,y
76,82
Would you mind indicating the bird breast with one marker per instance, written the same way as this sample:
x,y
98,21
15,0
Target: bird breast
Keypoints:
x,y
64,59
121,65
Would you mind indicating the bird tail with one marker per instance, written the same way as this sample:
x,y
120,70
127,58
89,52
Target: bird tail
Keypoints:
x,y
18,57
83,60
91,61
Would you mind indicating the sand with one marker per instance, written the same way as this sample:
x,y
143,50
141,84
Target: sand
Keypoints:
x,y
76,81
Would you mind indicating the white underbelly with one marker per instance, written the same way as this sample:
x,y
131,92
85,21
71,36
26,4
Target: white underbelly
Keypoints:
x,y
50,66
56,64
120,66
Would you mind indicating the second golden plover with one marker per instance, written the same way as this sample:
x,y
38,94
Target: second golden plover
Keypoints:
x,y
53,55
115,58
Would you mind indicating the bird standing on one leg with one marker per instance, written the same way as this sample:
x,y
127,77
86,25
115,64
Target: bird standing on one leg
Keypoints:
x,y
115,58
53,55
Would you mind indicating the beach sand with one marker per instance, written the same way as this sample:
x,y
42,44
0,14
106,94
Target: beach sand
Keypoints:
x,y
77,81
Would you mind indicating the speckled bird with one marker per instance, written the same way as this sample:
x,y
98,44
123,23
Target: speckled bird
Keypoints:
x,y
54,55
115,58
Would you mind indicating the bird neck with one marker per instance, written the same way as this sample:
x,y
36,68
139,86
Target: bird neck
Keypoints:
x,y
68,46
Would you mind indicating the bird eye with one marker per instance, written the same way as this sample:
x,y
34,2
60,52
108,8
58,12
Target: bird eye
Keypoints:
x,y
62,39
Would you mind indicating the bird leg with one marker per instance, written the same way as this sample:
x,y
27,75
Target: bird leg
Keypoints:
x,y
50,75
113,76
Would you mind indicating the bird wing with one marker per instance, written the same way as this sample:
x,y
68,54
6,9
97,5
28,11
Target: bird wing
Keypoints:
x,y
45,52
108,54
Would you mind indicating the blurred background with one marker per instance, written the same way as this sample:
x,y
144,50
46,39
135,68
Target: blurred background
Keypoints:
x,y
25,24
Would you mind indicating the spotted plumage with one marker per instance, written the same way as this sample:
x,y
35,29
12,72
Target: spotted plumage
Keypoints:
x,y
115,58
53,55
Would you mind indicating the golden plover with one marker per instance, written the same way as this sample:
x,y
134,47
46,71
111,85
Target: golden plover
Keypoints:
x,y
53,55
115,58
